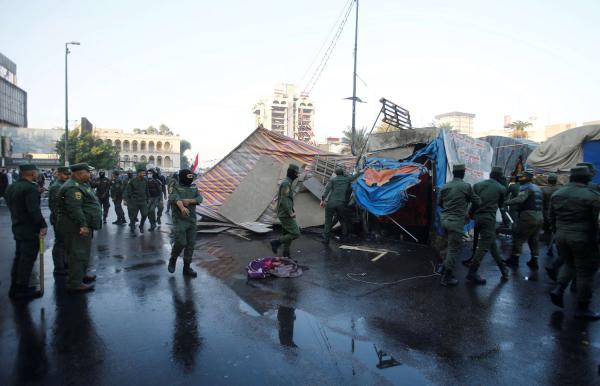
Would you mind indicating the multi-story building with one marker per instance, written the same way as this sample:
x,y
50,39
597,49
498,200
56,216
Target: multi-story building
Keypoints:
x,y
13,100
154,149
287,112
461,122
553,129
333,145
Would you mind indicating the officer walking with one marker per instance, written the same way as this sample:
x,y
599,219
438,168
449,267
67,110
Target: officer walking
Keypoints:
x,y
28,227
102,186
491,193
184,199
160,205
574,213
137,199
58,250
336,195
286,214
592,168
79,214
171,182
455,196
116,193
529,222
155,192
547,192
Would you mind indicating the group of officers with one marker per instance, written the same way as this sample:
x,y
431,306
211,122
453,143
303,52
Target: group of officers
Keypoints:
x,y
568,215
79,206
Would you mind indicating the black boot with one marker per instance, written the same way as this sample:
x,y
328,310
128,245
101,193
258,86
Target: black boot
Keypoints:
x,y
556,295
512,261
552,274
573,287
533,263
275,244
172,262
467,262
503,271
117,222
473,276
158,221
132,229
286,252
583,312
152,227
141,228
448,279
188,271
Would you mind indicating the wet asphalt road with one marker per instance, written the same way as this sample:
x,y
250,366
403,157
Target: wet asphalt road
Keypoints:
x,y
145,326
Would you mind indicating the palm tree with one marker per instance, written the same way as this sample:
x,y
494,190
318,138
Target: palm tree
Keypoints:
x,y
518,128
355,143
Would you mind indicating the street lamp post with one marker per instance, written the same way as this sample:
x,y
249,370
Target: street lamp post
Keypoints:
x,y
67,102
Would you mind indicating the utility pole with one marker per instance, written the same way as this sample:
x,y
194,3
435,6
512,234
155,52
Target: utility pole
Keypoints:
x,y
67,101
353,150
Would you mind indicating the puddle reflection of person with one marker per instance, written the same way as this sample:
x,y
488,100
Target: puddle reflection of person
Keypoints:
x,y
286,317
32,363
186,339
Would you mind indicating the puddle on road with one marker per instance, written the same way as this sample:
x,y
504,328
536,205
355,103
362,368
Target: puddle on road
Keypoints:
x,y
300,330
149,264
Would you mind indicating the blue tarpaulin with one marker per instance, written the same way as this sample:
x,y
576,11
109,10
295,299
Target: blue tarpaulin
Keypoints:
x,y
591,154
391,196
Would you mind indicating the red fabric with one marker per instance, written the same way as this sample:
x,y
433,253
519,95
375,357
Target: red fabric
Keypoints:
x,y
382,177
195,165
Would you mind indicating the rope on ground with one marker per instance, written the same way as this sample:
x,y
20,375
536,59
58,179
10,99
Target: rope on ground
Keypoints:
x,y
363,274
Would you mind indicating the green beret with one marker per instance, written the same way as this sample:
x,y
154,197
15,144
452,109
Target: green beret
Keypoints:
x,y
458,168
64,170
498,170
588,165
27,167
140,168
552,178
294,167
81,166
581,171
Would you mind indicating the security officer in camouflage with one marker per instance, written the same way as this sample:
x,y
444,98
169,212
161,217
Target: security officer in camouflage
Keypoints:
x,y
28,227
455,197
513,192
137,198
529,221
102,187
286,214
336,195
79,214
160,205
183,199
492,194
547,192
574,213
155,194
171,182
58,250
116,193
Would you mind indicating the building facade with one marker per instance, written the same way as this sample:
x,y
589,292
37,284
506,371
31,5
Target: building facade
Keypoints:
x,y
13,100
460,122
287,112
156,150
333,145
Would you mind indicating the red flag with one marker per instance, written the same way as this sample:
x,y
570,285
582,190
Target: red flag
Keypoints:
x,y
195,165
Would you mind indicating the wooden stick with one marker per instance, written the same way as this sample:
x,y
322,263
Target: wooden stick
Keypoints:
x,y
41,267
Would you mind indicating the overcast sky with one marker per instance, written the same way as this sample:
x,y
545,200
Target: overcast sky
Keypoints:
x,y
199,66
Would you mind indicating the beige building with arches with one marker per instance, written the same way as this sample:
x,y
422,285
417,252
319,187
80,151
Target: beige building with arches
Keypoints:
x,y
156,150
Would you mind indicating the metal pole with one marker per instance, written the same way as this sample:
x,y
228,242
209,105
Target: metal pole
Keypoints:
x,y
66,108
354,82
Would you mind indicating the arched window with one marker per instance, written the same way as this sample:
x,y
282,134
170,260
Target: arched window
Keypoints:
x,y
135,158
151,159
126,145
151,146
159,146
168,162
126,158
167,146
275,102
134,146
118,144
159,161
143,146
143,158
108,142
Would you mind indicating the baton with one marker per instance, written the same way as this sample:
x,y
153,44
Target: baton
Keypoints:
x,y
510,218
41,267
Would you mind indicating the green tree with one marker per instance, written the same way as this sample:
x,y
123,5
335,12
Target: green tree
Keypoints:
x,y
355,143
151,130
518,129
445,125
164,130
137,131
183,147
86,148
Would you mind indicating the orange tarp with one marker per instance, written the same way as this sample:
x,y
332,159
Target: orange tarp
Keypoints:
x,y
382,177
